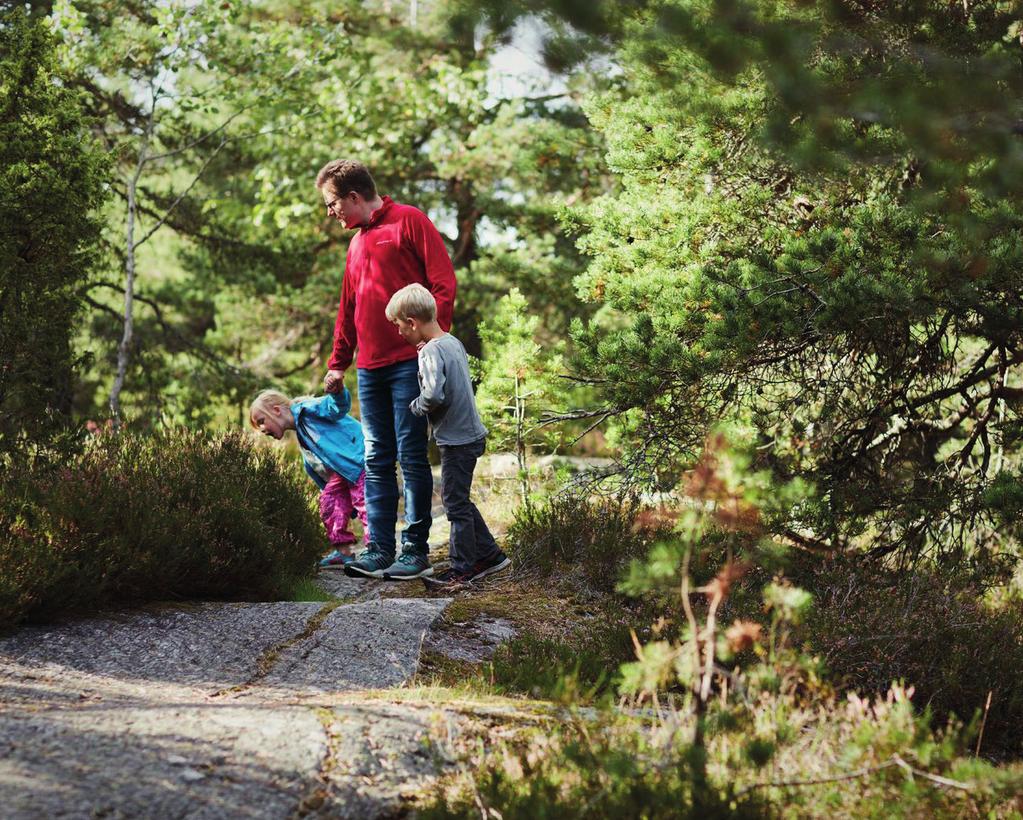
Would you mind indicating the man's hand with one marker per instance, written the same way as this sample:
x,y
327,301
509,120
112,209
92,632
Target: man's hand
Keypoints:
x,y
334,381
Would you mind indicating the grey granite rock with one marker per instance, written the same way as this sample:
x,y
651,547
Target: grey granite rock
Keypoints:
x,y
335,582
209,646
373,743
126,761
473,641
204,712
370,645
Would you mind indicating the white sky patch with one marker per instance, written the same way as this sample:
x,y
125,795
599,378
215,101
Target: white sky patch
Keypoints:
x,y
518,70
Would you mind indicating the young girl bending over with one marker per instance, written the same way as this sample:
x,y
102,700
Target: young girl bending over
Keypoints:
x,y
334,455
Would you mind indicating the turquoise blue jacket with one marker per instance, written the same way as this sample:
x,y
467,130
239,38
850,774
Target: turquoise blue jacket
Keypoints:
x,y
325,429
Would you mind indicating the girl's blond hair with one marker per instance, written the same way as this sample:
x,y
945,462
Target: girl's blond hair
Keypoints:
x,y
264,401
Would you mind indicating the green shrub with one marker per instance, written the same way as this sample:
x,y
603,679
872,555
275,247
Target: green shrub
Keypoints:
x,y
862,758
586,540
138,518
873,626
707,734
578,667
583,546
587,768
767,740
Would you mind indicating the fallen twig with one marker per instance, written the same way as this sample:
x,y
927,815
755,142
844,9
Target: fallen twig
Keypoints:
x,y
896,760
983,721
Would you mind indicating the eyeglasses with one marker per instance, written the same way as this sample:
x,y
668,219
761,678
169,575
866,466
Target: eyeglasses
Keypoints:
x,y
333,202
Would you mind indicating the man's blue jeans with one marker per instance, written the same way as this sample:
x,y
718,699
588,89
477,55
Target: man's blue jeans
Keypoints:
x,y
394,434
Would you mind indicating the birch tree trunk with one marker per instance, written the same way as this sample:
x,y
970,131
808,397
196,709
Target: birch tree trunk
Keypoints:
x,y
124,348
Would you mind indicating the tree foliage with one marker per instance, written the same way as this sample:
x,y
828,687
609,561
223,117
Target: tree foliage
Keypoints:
x,y
239,286
183,93
51,184
818,233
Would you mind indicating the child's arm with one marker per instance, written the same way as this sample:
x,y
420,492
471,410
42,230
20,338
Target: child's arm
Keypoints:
x,y
431,382
341,401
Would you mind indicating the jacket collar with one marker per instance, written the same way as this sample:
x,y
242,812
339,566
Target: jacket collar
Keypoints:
x,y
379,213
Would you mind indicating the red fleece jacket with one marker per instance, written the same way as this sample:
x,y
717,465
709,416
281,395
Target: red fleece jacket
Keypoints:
x,y
399,246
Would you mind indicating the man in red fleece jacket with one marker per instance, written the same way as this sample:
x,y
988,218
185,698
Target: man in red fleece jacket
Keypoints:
x,y
395,246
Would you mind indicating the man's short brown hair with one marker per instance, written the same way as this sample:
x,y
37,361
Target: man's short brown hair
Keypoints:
x,y
347,175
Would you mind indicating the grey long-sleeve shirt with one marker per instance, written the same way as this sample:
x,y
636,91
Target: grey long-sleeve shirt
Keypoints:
x,y
445,392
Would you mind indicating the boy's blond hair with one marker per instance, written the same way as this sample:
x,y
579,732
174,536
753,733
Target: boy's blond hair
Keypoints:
x,y
265,401
412,302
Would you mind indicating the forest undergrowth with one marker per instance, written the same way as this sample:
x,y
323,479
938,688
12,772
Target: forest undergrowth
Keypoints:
x,y
684,665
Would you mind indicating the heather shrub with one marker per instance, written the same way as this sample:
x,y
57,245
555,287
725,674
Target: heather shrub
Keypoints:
x,y
578,667
136,518
873,626
588,541
775,757
582,767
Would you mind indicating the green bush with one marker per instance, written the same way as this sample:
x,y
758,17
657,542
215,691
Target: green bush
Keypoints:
x,y
588,768
873,626
139,518
863,758
578,667
731,720
591,541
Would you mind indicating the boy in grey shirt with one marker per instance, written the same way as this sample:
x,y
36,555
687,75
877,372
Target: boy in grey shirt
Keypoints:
x,y
446,398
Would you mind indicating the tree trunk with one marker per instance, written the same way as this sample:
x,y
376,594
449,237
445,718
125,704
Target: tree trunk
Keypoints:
x,y
520,441
124,348
466,251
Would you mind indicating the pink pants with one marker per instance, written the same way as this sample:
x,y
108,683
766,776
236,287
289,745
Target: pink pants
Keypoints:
x,y
338,501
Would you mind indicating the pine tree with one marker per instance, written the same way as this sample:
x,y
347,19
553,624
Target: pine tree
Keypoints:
x,y
819,234
518,382
52,179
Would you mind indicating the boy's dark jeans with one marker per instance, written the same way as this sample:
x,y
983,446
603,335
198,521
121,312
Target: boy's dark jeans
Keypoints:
x,y
471,540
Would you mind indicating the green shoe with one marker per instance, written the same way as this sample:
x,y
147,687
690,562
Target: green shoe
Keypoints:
x,y
370,564
408,566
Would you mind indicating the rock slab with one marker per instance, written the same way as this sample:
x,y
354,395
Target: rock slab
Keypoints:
x,y
218,710
369,645
471,642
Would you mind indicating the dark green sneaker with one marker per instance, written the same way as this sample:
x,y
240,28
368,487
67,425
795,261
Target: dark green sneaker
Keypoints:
x,y
370,564
408,566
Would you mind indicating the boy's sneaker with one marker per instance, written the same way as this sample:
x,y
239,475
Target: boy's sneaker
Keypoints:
x,y
336,560
497,563
371,563
408,566
450,580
